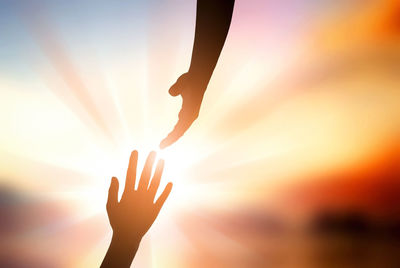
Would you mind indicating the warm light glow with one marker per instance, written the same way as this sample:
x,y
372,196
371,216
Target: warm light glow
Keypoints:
x,y
292,97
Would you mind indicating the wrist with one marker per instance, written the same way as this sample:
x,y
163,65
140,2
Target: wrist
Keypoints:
x,y
126,241
120,252
199,78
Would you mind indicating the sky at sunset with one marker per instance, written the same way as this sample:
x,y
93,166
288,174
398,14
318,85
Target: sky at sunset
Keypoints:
x,y
304,104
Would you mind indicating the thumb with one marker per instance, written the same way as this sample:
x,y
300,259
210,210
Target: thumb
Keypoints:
x,y
113,193
179,85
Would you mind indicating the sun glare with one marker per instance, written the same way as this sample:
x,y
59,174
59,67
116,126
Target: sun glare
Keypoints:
x,y
80,91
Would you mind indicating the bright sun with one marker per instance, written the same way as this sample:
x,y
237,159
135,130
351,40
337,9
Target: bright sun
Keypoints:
x,y
115,163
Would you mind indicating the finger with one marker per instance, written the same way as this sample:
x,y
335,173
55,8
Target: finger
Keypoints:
x,y
131,172
112,194
177,88
146,173
188,113
155,182
160,201
180,128
174,135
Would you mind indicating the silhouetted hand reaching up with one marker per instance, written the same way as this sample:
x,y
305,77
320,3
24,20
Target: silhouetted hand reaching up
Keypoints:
x,y
133,215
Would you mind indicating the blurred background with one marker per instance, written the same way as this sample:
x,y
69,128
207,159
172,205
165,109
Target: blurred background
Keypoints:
x,y
293,162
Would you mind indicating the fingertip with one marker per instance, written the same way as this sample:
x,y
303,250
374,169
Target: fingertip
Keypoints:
x,y
160,166
163,144
133,158
166,142
114,185
173,91
112,193
114,180
169,185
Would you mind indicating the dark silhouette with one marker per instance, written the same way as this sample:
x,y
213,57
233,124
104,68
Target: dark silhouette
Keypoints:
x,y
133,215
213,19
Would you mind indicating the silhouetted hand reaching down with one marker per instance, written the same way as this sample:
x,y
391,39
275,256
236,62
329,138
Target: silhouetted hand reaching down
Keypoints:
x,y
192,90
213,18
133,215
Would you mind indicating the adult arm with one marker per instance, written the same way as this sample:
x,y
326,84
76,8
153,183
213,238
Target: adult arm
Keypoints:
x,y
213,18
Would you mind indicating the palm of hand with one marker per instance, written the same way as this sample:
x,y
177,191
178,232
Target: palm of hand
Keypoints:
x,y
132,217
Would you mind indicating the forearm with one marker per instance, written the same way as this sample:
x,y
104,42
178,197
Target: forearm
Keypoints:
x,y
213,18
120,253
